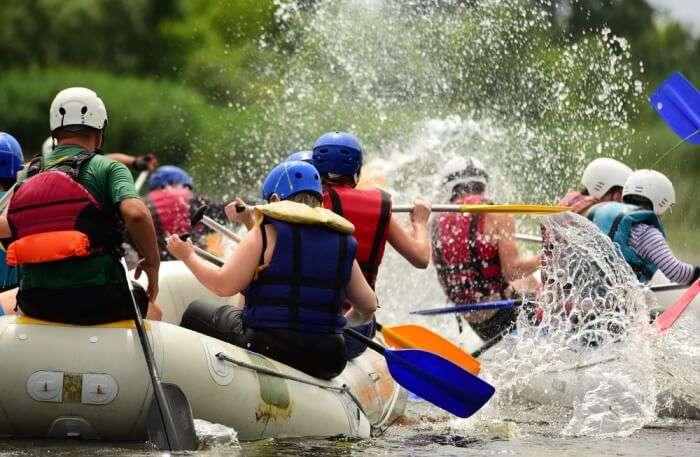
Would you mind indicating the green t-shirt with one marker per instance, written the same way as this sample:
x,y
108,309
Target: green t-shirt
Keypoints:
x,y
109,182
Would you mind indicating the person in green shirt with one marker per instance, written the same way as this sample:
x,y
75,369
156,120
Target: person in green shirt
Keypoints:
x,y
84,286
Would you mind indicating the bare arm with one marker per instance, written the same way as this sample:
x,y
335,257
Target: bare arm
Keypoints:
x,y
363,298
139,224
138,163
4,225
233,276
513,265
414,246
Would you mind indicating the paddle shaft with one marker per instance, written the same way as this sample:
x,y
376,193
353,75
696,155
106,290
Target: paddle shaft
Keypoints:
x,y
212,224
367,341
511,208
164,408
140,180
499,304
528,238
6,198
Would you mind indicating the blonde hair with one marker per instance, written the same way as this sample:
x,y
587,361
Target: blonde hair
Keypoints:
x,y
307,198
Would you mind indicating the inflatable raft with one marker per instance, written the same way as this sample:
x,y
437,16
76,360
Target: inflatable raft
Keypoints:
x,y
62,381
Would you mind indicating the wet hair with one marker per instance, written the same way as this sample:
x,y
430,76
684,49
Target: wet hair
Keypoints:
x,y
638,200
308,198
471,188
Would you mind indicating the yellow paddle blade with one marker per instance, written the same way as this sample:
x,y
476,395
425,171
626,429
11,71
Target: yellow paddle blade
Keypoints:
x,y
417,337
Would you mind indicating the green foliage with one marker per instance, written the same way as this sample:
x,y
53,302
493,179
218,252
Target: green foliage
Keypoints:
x,y
221,41
118,35
144,115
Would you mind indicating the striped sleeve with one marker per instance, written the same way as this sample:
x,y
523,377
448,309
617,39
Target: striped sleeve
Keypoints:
x,y
649,243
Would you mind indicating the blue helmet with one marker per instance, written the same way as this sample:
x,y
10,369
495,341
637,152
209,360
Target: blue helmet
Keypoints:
x,y
11,157
169,175
339,153
304,156
290,178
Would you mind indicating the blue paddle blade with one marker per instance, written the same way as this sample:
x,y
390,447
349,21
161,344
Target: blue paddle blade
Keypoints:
x,y
438,381
677,101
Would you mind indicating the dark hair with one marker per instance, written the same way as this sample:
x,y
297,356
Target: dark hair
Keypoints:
x,y
584,191
6,183
73,130
638,200
614,189
470,188
343,180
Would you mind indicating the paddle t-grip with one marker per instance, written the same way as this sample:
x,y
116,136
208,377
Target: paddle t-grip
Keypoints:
x,y
194,220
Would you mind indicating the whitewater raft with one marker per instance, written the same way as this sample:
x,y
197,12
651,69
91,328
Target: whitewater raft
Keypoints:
x,y
62,381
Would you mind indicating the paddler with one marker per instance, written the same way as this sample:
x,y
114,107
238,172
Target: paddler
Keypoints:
x,y
172,202
635,226
602,181
295,268
11,160
475,254
338,157
64,221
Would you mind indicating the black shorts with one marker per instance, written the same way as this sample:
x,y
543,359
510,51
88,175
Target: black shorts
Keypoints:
x,y
82,305
317,354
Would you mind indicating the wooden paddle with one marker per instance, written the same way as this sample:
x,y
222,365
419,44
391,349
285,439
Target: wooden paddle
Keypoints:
x,y
510,209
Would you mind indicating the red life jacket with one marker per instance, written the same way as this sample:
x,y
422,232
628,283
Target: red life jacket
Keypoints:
x,y
468,267
578,202
170,208
370,212
53,217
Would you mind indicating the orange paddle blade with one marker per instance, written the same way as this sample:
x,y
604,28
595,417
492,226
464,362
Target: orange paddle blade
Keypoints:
x,y
417,337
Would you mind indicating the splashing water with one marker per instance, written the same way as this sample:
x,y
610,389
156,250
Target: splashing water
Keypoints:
x,y
591,357
490,75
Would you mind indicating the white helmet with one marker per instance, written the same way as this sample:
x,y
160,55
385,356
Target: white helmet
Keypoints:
x,y
652,185
77,106
47,146
603,174
461,170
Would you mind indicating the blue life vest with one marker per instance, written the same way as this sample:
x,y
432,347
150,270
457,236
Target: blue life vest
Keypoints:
x,y
8,274
617,220
303,287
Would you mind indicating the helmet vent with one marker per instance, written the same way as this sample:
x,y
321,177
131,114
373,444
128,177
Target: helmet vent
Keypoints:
x,y
344,151
83,110
298,175
62,111
323,151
